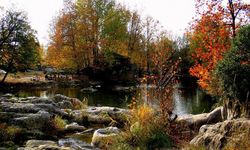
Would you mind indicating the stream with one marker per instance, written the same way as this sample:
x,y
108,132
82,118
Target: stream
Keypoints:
x,y
185,100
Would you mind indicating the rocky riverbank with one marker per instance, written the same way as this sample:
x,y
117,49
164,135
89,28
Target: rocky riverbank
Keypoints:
x,y
64,123
31,122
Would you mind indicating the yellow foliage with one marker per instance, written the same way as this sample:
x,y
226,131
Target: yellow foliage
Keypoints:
x,y
144,114
58,123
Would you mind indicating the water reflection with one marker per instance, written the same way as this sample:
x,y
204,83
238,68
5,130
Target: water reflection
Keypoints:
x,y
191,101
185,101
100,98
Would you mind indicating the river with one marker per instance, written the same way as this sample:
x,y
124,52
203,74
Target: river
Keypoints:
x,y
185,100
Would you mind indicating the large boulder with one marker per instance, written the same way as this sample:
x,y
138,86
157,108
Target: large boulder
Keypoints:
x,y
43,145
101,115
103,137
75,144
37,143
196,121
39,120
233,134
65,102
29,105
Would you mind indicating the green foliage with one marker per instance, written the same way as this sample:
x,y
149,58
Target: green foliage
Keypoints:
x,y
158,139
234,69
18,44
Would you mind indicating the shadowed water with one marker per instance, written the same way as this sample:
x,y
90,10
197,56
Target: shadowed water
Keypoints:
x,y
185,100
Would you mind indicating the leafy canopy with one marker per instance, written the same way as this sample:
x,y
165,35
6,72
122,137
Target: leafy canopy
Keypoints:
x,y
234,69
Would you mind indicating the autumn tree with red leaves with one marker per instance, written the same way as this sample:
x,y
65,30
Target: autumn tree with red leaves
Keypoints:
x,y
211,33
209,41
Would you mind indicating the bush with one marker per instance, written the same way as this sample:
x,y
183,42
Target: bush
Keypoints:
x,y
144,131
234,69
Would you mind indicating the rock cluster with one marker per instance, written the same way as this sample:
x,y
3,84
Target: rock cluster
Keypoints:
x,y
35,118
230,133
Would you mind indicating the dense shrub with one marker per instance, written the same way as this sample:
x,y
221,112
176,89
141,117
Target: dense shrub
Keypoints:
x,y
145,131
234,69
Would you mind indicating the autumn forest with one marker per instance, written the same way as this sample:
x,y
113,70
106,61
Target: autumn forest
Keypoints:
x,y
114,78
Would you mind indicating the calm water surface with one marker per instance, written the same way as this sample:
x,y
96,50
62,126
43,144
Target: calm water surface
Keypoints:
x,y
98,98
191,101
185,101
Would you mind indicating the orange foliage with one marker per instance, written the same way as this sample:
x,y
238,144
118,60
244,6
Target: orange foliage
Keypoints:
x,y
210,34
209,41
235,13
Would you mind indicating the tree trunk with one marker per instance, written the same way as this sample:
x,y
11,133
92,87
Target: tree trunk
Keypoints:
x,y
10,64
233,109
5,76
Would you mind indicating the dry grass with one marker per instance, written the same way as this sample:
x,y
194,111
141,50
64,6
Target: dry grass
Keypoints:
x,y
240,140
58,123
144,131
8,132
24,77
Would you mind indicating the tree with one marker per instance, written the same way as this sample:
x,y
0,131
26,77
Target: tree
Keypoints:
x,y
210,36
150,34
94,12
136,46
115,32
18,44
165,67
208,41
234,71
83,29
235,13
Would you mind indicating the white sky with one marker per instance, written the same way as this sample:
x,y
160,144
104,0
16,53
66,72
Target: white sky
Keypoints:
x,y
174,15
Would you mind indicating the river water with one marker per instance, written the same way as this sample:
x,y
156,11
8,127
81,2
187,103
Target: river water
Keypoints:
x,y
185,100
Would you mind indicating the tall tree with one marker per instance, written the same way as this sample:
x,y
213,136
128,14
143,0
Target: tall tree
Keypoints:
x,y
234,72
18,44
95,12
216,23
235,12
136,46
151,28
208,41
115,34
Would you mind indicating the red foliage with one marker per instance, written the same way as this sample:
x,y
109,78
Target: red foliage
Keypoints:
x,y
209,40
217,21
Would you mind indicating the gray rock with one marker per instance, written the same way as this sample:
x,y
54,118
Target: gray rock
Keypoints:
x,y
74,127
89,90
74,144
101,115
65,105
8,95
19,107
219,135
41,100
196,121
67,102
40,120
101,136
28,107
37,143
44,145
58,98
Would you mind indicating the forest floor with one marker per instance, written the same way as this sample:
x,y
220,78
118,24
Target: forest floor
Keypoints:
x,y
25,77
